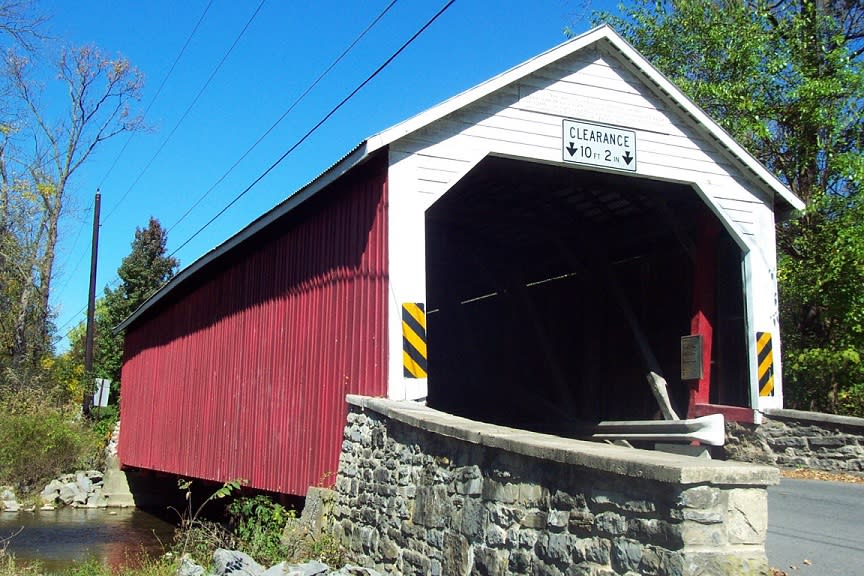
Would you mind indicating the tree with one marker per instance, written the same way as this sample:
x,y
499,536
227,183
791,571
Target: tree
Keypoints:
x,y
786,79
141,273
39,156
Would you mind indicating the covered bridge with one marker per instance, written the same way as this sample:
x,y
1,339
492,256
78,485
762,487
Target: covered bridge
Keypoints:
x,y
522,253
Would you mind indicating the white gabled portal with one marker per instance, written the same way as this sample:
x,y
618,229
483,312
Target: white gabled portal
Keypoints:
x,y
576,172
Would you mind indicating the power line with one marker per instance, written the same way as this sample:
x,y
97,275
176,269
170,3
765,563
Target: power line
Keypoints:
x,y
316,126
188,109
326,117
176,126
284,114
159,90
132,135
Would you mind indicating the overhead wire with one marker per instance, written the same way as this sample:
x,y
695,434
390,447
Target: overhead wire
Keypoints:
x,y
177,125
285,114
188,109
311,131
317,125
132,135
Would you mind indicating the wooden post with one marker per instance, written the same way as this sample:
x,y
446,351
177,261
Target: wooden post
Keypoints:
x,y
87,403
702,320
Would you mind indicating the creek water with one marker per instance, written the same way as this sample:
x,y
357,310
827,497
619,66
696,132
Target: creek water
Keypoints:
x,y
60,538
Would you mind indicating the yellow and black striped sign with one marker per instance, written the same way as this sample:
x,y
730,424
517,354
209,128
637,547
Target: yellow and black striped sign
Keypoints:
x,y
765,357
414,340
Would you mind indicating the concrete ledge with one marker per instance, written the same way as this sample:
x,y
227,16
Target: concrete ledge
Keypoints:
x,y
815,417
646,464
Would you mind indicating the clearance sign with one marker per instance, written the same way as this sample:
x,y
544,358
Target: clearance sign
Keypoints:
x,y
599,145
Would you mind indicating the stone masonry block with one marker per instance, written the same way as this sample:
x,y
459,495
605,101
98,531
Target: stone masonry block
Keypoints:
x,y
504,492
697,564
589,570
626,555
621,502
465,475
535,519
496,537
825,442
700,497
654,531
432,507
558,520
747,521
592,550
505,516
787,442
469,520
701,534
533,495
610,524
490,562
414,563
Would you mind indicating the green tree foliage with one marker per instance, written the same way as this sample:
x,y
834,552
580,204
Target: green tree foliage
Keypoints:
x,y
786,79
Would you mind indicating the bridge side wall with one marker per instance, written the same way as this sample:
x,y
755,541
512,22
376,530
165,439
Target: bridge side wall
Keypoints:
x,y
243,371
423,492
799,439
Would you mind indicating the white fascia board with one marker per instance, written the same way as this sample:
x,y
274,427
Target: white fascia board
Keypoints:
x,y
704,120
488,87
641,67
353,158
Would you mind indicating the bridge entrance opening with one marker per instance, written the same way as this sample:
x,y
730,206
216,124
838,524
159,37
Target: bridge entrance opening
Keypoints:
x,y
532,271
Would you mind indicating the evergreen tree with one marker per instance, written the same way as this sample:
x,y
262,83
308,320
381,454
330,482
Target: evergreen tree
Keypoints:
x,y
141,273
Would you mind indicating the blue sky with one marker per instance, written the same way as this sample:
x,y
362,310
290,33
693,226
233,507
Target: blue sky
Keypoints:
x,y
286,46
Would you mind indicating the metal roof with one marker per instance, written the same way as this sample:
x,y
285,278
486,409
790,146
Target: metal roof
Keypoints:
x,y
602,35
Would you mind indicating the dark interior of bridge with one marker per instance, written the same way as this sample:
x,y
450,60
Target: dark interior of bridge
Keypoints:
x,y
529,269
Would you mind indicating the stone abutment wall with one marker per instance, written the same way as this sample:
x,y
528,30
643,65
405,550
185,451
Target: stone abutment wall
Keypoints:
x,y
423,492
793,439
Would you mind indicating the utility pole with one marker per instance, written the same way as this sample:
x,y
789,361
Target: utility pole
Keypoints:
x,y
91,310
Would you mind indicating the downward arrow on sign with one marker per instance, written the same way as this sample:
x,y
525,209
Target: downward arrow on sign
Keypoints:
x,y
571,149
627,157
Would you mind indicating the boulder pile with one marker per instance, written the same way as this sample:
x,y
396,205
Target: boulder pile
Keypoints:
x,y
79,490
235,563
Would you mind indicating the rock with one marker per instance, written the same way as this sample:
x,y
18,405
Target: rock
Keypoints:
x,y
80,497
234,563
51,492
189,568
94,475
67,492
312,568
96,498
84,483
8,502
351,570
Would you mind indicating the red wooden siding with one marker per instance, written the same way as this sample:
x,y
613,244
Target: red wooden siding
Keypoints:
x,y
242,371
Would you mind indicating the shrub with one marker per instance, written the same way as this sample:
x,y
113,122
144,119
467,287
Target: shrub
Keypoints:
x,y
258,523
824,380
104,421
850,402
37,447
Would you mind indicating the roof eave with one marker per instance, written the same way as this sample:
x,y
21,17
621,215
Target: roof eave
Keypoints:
x,y
355,157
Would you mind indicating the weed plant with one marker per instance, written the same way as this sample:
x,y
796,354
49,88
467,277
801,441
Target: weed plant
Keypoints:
x,y
258,522
39,441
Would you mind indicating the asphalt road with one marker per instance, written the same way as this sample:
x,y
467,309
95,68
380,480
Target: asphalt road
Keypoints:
x,y
817,522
